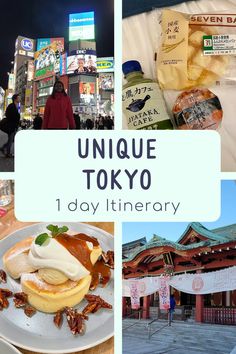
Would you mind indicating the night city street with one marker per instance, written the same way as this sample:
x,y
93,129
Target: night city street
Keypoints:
x,y
61,70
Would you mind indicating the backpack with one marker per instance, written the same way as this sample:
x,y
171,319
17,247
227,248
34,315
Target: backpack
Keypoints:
x,y
4,125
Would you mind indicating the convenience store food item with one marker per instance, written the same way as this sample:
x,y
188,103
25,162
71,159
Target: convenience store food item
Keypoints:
x,y
197,108
142,100
196,50
147,28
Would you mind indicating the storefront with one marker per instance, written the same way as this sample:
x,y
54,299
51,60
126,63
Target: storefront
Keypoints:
x,y
199,252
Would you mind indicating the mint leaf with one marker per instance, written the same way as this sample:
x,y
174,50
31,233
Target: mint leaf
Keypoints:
x,y
55,230
62,229
40,239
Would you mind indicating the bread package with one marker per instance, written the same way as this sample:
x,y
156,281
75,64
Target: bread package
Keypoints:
x,y
196,50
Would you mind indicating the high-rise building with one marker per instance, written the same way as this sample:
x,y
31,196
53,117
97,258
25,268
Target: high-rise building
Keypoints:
x,y
82,72
21,82
24,52
46,69
81,64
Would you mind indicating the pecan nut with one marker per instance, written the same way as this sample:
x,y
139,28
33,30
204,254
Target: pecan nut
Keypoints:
x,y
75,321
95,303
29,310
58,318
20,299
4,303
19,303
3,276
108,258
6,292
89,308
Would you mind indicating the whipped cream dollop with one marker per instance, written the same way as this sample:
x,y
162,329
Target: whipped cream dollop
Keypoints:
x,y
56,256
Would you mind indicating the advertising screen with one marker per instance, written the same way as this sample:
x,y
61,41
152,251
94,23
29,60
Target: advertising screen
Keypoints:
x,y
87,93
47,60
83,63
11,81
45,42
30,71
63,63
28,97
105,64
42,43
106,81
86,88
81,26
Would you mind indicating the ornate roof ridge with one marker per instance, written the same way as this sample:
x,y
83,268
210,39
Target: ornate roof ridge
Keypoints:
x,y
158,241
135,241
198,227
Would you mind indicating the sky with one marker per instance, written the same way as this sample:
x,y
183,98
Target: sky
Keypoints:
x,y
172,231
49,18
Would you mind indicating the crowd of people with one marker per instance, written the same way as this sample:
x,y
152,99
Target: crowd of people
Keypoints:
x,y
58,114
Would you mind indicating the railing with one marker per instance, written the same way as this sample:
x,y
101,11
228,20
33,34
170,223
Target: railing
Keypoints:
x,y
137,314
134,313
149,327
218,315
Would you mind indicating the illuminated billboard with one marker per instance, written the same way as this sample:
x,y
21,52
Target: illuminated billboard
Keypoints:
x,y
45,42
106,81
81,26
82,63
47,60
87,88
30,70
63,63
87,92
11,81
25,46
105,64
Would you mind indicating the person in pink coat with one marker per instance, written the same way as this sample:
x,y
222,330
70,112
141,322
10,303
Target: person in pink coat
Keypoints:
x,y
58,112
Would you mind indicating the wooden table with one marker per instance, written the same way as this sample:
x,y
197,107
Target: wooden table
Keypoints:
x,y
9,224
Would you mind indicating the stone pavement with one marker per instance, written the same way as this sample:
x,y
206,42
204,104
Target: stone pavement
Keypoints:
x,y
180,338
6,164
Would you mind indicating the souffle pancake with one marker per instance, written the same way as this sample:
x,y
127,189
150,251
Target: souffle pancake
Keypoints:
x,y
57,269
50,298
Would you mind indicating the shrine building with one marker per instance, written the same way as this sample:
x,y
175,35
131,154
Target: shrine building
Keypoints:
x,y
198,250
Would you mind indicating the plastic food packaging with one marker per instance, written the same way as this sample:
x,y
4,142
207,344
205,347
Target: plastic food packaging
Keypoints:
x,y
196,50
142,100
197,109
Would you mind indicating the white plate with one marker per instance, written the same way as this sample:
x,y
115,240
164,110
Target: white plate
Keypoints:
x,y
7,348
39,333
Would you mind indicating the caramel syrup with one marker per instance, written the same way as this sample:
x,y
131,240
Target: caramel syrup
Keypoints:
x,y
77,246
100,274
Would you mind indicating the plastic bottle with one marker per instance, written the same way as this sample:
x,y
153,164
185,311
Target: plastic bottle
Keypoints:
x,y
142,100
